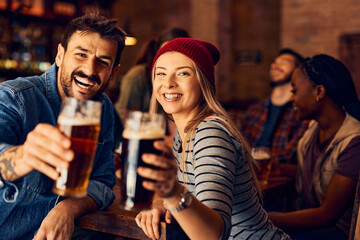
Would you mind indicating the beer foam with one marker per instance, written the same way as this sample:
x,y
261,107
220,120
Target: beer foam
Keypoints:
x,y
153,133
64,120
261,155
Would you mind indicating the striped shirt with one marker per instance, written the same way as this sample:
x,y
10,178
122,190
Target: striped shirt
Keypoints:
x,y
218,174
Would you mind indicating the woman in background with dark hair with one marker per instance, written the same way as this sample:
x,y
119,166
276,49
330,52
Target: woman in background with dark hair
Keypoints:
x,y
328,153
136,88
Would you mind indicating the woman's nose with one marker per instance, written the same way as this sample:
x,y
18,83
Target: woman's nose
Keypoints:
x,y
170,83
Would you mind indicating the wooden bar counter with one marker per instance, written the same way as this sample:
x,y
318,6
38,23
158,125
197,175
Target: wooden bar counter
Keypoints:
x,y
119,222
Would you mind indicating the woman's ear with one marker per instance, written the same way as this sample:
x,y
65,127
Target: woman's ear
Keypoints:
x,y
320,91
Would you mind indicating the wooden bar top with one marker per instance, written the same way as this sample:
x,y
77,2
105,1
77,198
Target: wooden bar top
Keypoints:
x,y
116,220
119,222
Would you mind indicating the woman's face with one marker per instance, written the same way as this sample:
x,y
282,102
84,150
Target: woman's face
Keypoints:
x,y
176,85
304,95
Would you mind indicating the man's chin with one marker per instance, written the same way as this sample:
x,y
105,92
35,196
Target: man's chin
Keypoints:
x,y
82,96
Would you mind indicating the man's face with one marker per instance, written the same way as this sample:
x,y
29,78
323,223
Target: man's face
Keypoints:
x,y
282,67
86,67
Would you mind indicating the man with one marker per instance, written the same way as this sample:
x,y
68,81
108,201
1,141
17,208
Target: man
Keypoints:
x,y
272,122
31,147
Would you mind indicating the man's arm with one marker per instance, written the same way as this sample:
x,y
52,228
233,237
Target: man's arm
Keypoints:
x,y
59,223
45,149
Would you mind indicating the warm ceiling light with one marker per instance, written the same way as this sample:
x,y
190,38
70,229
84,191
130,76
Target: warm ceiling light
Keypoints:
x,y
130,41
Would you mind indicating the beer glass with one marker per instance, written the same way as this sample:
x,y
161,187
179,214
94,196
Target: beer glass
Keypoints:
x,y
79,120
140,131
262,156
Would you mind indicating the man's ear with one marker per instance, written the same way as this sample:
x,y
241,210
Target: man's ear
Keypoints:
x,y
114,72
59,55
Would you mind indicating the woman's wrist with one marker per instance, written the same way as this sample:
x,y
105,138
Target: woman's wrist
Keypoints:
x,y
173,199
182,199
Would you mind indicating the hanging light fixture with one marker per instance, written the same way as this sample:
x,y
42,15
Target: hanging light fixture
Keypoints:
x,y
130,39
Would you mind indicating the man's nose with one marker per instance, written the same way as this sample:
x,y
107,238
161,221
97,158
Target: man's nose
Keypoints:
x,y
90,68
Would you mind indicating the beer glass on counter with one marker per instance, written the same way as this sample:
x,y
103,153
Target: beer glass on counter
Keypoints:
x,y
140,131
79,120
262,156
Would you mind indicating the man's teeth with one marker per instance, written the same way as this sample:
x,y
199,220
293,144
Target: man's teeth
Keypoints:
x,y
172,96
83,83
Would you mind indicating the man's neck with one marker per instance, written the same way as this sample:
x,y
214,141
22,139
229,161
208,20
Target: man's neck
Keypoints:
x,y
281,95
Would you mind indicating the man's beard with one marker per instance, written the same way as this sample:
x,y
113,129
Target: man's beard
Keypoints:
x,y
66,83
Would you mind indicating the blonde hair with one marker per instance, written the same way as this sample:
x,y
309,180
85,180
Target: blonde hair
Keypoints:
x,y
210,107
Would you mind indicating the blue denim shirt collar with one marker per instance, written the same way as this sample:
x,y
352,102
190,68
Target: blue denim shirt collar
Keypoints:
x,y
51,89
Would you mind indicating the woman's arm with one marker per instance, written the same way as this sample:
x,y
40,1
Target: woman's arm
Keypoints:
x,y
337,198
196,219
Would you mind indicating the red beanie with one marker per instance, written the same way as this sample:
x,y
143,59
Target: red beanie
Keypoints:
x,y
204,54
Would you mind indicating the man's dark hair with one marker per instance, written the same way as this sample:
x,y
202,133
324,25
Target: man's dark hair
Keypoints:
x,y
93,22
299,58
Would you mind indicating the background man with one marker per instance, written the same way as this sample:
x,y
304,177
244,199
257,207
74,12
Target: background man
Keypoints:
x,y
272,122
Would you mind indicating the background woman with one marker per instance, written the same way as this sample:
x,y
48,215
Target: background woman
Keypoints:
x,y
328,153
209,188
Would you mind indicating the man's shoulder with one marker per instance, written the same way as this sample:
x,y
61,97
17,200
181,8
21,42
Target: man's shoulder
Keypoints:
x,y
22,83
257,107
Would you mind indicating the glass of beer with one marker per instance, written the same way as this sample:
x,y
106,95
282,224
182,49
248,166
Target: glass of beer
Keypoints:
x,y
79,120
140,131
262,156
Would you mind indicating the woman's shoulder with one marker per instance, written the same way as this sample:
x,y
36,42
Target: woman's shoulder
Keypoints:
x,y
212,123
214,126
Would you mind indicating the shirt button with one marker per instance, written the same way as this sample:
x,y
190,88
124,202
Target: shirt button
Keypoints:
x,y
1,184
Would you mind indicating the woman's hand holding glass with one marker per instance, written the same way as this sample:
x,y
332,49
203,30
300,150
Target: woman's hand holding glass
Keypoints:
x,y
163,183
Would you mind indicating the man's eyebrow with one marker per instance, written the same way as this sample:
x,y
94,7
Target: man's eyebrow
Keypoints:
x,y
88,51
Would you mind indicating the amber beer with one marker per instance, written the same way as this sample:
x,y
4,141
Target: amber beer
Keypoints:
x,y
84,134
138,138
263,158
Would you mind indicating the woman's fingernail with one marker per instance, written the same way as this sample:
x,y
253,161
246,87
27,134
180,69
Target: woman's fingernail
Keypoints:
x,y
69,155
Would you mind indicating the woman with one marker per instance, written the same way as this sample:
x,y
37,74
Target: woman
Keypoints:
x,y
136,87
328,153
213,194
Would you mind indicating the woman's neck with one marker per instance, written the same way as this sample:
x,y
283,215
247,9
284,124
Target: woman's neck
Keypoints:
x,y
181,122
330,120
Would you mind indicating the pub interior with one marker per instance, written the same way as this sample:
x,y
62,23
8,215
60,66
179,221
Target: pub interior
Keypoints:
x,y
249,35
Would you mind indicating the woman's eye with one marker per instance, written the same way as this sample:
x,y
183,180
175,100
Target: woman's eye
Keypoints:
x,y
184,74
160,74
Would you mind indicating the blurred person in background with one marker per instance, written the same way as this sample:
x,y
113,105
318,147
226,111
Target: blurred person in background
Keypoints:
x,y
209,188
328,152
32,147
272,123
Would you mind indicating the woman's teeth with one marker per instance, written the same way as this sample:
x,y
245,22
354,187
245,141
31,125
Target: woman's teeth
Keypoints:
x,y
83,83
172,96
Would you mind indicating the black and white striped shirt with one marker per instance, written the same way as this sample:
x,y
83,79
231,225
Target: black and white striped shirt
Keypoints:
x,y
218,174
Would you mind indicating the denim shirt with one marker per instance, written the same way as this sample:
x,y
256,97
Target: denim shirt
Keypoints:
x,y
24,203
